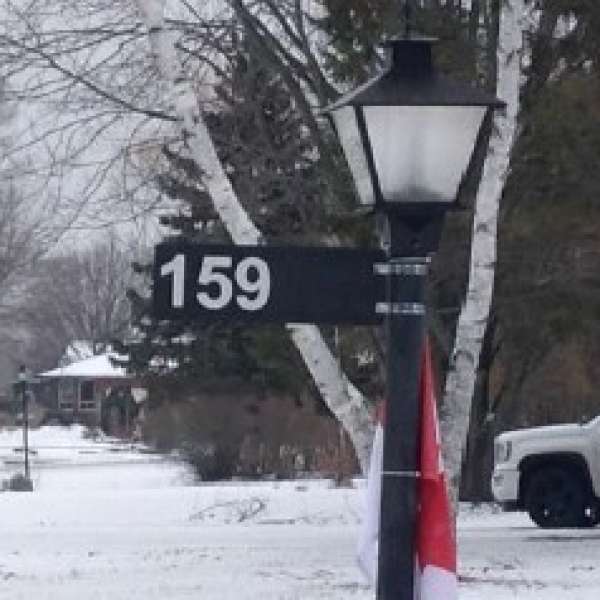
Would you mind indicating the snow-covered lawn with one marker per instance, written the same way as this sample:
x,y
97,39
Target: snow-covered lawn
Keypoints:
x,y
112,522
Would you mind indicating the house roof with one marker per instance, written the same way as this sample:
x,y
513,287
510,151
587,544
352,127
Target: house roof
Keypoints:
x,y
99,367
77,350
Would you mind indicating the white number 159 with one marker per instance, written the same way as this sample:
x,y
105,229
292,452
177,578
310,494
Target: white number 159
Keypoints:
x,y
251,275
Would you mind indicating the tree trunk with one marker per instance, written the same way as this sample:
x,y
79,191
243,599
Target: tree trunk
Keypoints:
x,y
478,459
472,322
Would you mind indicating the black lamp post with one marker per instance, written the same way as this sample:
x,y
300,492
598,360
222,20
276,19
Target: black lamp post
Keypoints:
x,y
25,401
409,137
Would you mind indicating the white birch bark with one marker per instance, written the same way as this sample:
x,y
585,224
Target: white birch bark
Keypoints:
x,y
343,399
472,322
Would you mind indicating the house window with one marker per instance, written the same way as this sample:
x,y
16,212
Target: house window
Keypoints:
x,y
66,394
86,398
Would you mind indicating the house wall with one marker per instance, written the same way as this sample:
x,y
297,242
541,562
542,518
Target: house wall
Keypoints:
x,y
77,400
81,399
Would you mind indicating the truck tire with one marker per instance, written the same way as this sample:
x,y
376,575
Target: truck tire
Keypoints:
x,y
555,498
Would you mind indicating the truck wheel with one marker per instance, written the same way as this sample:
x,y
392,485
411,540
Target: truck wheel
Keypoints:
x,y
555,498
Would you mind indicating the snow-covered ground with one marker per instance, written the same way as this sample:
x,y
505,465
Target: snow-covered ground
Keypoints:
x,y
108,521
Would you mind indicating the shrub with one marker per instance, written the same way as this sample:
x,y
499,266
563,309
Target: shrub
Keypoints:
x,y
212,462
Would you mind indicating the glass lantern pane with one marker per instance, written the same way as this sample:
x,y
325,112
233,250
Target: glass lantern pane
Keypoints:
x,y
347,128
422,152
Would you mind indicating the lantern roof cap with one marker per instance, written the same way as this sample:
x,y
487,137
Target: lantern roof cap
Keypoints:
x,y
411,80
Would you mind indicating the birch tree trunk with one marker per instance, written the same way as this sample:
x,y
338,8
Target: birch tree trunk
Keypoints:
x,y
473,319
343,399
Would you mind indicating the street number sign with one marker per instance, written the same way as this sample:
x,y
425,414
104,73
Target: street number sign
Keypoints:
x,y
206,282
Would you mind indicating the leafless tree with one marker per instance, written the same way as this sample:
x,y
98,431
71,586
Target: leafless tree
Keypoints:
x,y
88,111
77,296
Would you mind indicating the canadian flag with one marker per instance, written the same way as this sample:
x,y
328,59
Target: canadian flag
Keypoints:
x,y
435,563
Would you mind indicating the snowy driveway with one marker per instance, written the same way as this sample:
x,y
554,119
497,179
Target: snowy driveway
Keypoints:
x,y
247,542
138,529
506,556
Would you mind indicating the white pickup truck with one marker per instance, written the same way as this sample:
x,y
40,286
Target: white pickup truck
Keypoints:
x,y
551,472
